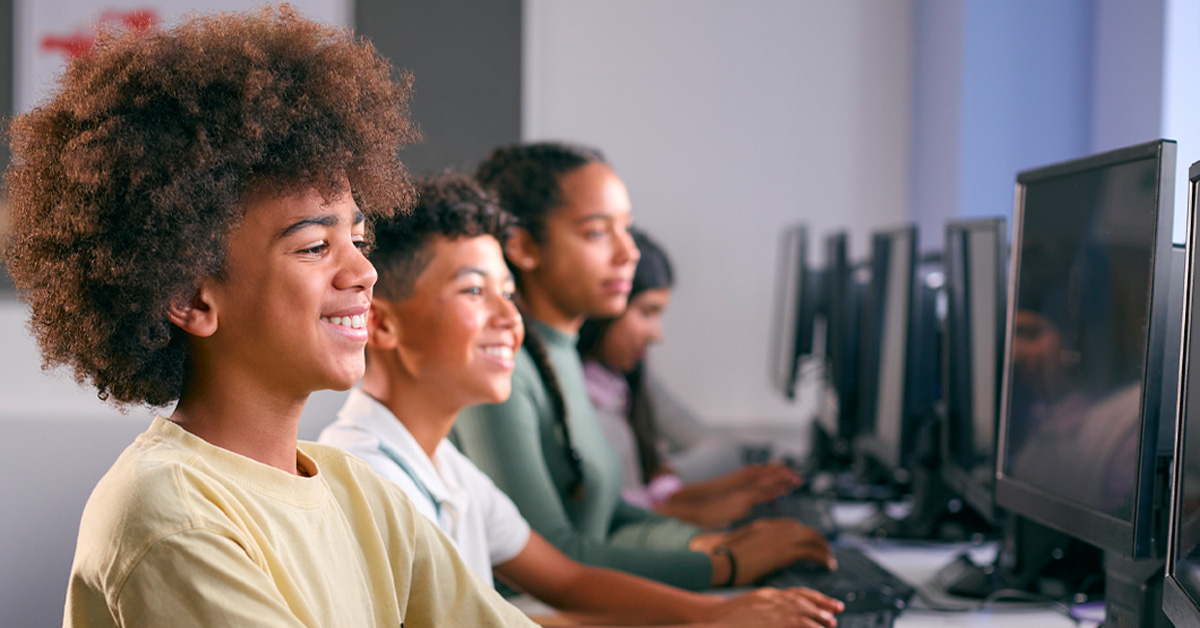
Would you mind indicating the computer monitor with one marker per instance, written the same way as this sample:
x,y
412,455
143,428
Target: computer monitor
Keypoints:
x,y
800,296
1181,594
1087,348
886,356
975,265
841,316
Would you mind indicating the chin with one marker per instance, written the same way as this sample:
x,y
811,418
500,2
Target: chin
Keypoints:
x,y
611,307
500,394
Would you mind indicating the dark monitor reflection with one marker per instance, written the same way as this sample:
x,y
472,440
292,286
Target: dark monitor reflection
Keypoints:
x,y
1079,345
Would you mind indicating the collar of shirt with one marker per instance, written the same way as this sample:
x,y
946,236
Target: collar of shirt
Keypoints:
x,y
435,476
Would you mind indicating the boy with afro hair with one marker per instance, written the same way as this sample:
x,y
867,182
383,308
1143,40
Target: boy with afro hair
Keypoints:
x,y
189,225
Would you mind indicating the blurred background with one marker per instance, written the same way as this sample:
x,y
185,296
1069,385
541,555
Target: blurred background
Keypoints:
x,y
728,121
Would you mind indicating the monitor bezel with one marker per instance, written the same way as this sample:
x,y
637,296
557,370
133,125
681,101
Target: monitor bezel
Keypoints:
x,y
867,441
979,495
1133,538
1178,604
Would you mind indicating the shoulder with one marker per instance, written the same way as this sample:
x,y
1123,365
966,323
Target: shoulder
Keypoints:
x,y
342,435
152,492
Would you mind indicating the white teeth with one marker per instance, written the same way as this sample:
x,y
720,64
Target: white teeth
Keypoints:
x,y
502,352
358,321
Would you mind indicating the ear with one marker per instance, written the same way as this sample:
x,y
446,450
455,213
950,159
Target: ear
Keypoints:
x,y
521,250
383,326
195,315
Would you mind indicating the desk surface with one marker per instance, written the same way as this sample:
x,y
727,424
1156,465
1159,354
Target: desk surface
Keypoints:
x,y
916,564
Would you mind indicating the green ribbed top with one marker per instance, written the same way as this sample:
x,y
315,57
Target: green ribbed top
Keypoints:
x,y
518,445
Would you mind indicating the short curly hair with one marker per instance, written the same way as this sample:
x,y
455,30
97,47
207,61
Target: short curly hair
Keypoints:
x,y
449,204
126,185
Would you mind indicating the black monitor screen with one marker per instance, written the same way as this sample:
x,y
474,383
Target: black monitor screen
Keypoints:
x,y
884,354
841,336
1087,342
1079,348
976,292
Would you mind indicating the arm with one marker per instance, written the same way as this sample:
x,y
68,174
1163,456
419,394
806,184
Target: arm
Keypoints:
x,y
593,595
504,441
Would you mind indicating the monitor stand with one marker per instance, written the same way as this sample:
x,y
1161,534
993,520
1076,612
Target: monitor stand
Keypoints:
x,y
1133,592
937,511
1032,558
938,514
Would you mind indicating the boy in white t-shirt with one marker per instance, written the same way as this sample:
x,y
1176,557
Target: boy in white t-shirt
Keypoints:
x,y
442,335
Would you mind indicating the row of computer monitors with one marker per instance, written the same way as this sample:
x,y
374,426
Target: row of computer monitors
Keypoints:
x,y
1063,389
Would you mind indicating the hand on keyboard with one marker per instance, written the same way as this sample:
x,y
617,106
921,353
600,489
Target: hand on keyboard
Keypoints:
x,y
778,607
767,545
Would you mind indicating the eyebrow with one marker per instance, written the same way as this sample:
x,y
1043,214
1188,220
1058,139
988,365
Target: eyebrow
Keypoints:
x,y
475,270
591,217
324,220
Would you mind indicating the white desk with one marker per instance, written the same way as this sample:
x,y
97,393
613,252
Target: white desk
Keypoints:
x,y
916,564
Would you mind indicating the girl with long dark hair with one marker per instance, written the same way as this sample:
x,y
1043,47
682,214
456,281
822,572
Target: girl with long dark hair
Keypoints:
x,y
573,257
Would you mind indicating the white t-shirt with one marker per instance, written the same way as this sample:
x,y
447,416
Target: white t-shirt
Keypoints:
x,y
449,490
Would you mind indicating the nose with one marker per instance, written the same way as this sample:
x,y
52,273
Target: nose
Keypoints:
x,y
356,272
627,251
656,331
506,314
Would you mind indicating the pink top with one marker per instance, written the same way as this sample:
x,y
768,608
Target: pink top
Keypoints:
x,y
609,393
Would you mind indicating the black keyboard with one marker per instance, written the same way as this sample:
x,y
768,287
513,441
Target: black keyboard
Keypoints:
x,y
807,509
873,596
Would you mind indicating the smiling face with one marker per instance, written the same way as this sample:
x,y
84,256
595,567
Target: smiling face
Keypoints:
x,y
584,264
459,329
292,300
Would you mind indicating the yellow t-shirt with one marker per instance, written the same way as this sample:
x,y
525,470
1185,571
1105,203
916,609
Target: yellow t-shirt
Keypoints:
x,y
182,533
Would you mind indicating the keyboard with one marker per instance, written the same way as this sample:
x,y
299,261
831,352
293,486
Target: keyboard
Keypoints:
x,y
810,510
873,596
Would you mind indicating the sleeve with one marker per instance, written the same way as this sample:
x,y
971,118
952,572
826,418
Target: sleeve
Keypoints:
x,y
503,441
223,587
507,530
634,527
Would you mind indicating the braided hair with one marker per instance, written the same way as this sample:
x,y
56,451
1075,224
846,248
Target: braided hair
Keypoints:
x,y
653,272
526,178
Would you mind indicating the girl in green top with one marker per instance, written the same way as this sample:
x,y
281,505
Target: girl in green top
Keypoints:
x,y
573,257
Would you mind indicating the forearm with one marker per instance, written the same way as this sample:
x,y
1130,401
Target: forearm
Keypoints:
x,y
606,595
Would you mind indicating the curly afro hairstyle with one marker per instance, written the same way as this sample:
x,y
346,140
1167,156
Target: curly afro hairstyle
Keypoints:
x,y
126,185
450,205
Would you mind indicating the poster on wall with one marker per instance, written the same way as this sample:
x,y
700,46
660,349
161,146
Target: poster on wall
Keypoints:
x,y
48,33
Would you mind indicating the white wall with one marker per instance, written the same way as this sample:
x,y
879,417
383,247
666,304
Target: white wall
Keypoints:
x,y
728,121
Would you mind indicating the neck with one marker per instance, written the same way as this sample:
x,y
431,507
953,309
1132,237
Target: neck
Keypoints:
x,y
426,413
538,304
240,417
